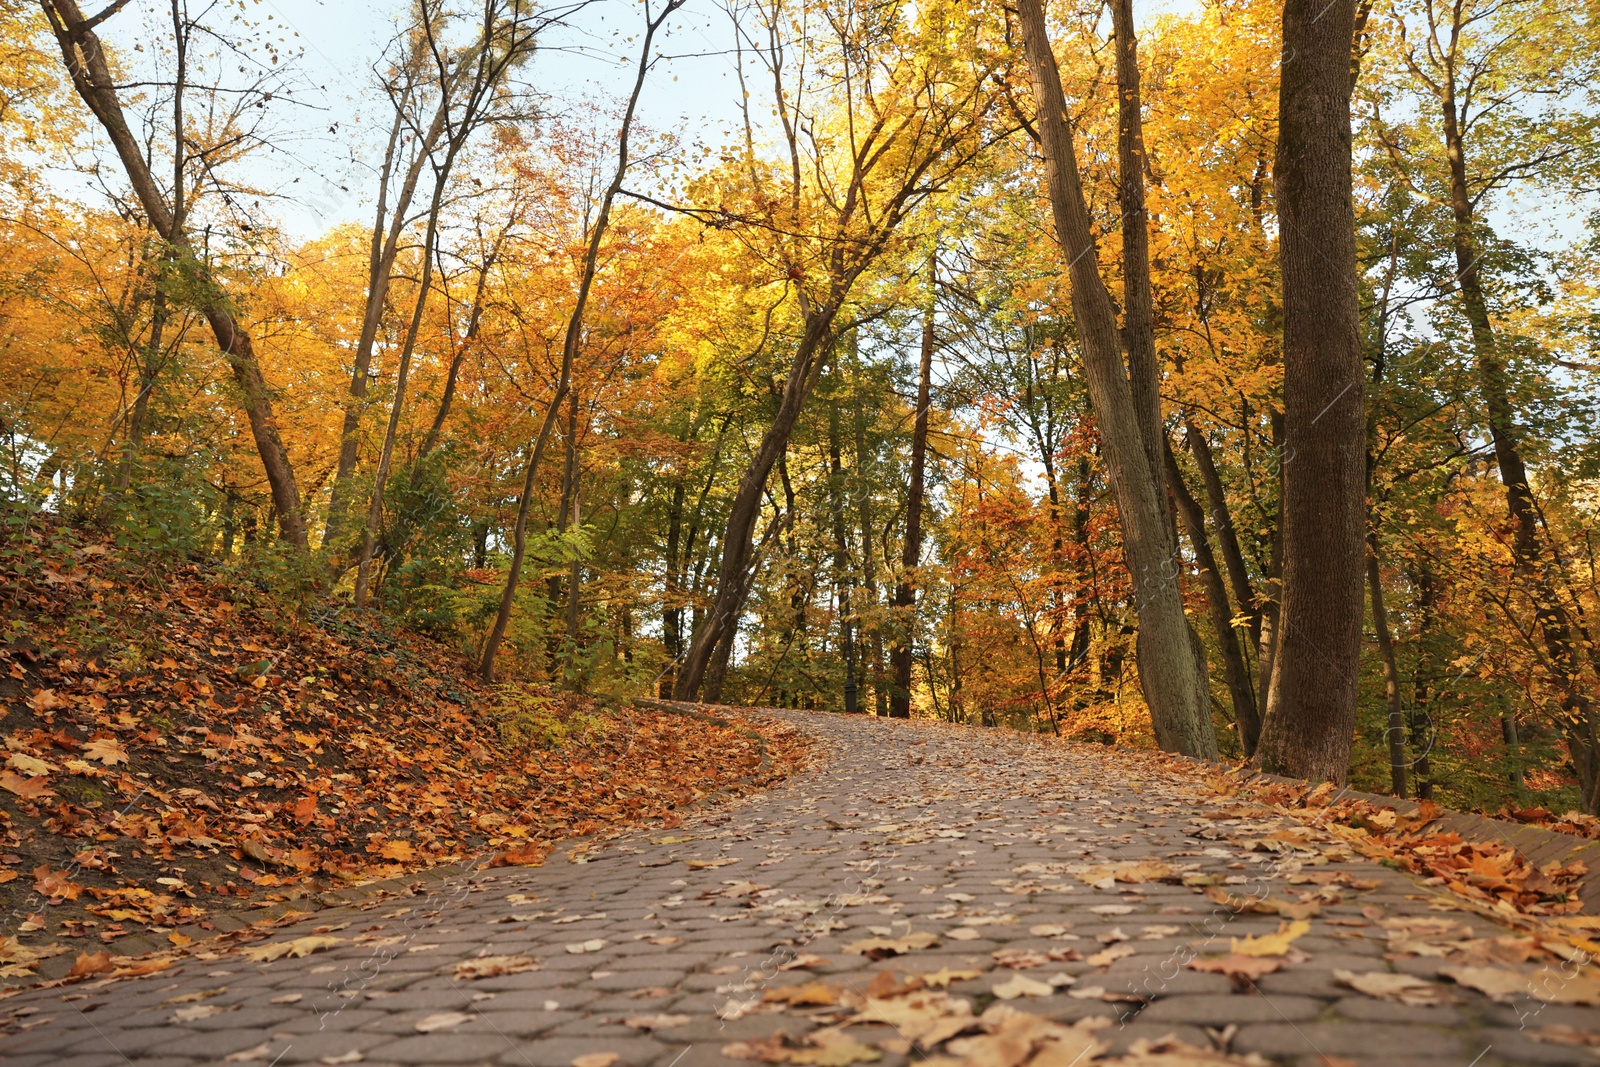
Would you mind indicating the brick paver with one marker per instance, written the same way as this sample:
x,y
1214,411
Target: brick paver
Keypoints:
x,y
662,947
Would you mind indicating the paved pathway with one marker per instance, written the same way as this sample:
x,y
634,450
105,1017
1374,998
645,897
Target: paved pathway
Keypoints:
x,y
668,948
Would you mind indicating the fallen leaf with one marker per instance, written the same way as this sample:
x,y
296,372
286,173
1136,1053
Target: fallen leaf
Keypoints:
x,y
300,946
812,993
27,788
195,1012
657,1022
1407,989
942,978
1272,944
249,1055
493,966
596,1059
107,750
1022,986
89,963
443,1020
31,766
1549,986
1106,957
1241,971
877,948
594,944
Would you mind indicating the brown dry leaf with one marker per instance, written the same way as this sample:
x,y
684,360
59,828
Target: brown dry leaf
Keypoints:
x,y
1550,986
1242,971
355,1055
250,1055
925,1016
1021,985
657,1021
442,1020
774,1049
196,1012
89,963
804,959
1407,989
493,966
596,1059
942,978
108,750
1108,956
1272,944
833,1049
1131,872
300,946
1014,1037
878,948
819,994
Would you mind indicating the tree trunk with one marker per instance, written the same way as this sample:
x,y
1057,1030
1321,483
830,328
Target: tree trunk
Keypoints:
x,y
91,78
841,557
736,538
385,248
1172,676
1311,710
1138,306
1233,665
1579,720
869,555
911,549
369,533
1227,535
1396,732
569,351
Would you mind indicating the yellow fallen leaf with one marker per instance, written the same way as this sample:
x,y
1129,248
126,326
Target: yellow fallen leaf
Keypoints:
x,y
1272,944
1022,986
300,946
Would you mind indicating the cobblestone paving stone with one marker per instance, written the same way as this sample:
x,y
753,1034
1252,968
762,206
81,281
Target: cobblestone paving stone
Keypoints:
x,y
662,948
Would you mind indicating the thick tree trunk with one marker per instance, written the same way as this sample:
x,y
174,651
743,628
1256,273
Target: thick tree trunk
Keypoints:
x,y
1172,676
1233,665
1311,710
91,78
911,549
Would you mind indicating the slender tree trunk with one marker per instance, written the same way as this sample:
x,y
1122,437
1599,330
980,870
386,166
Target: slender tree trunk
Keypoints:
x,y
1420,720
1138,305
842,574
369,533
569,351
92,79
737,548
149,371
388,228
1396,731
911,550
1311,711
1172,676
1233,665
474,318
671,609
1579,719
1227,535
869,554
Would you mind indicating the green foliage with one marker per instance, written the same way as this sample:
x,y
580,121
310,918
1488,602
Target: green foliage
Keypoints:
x,y
527,716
